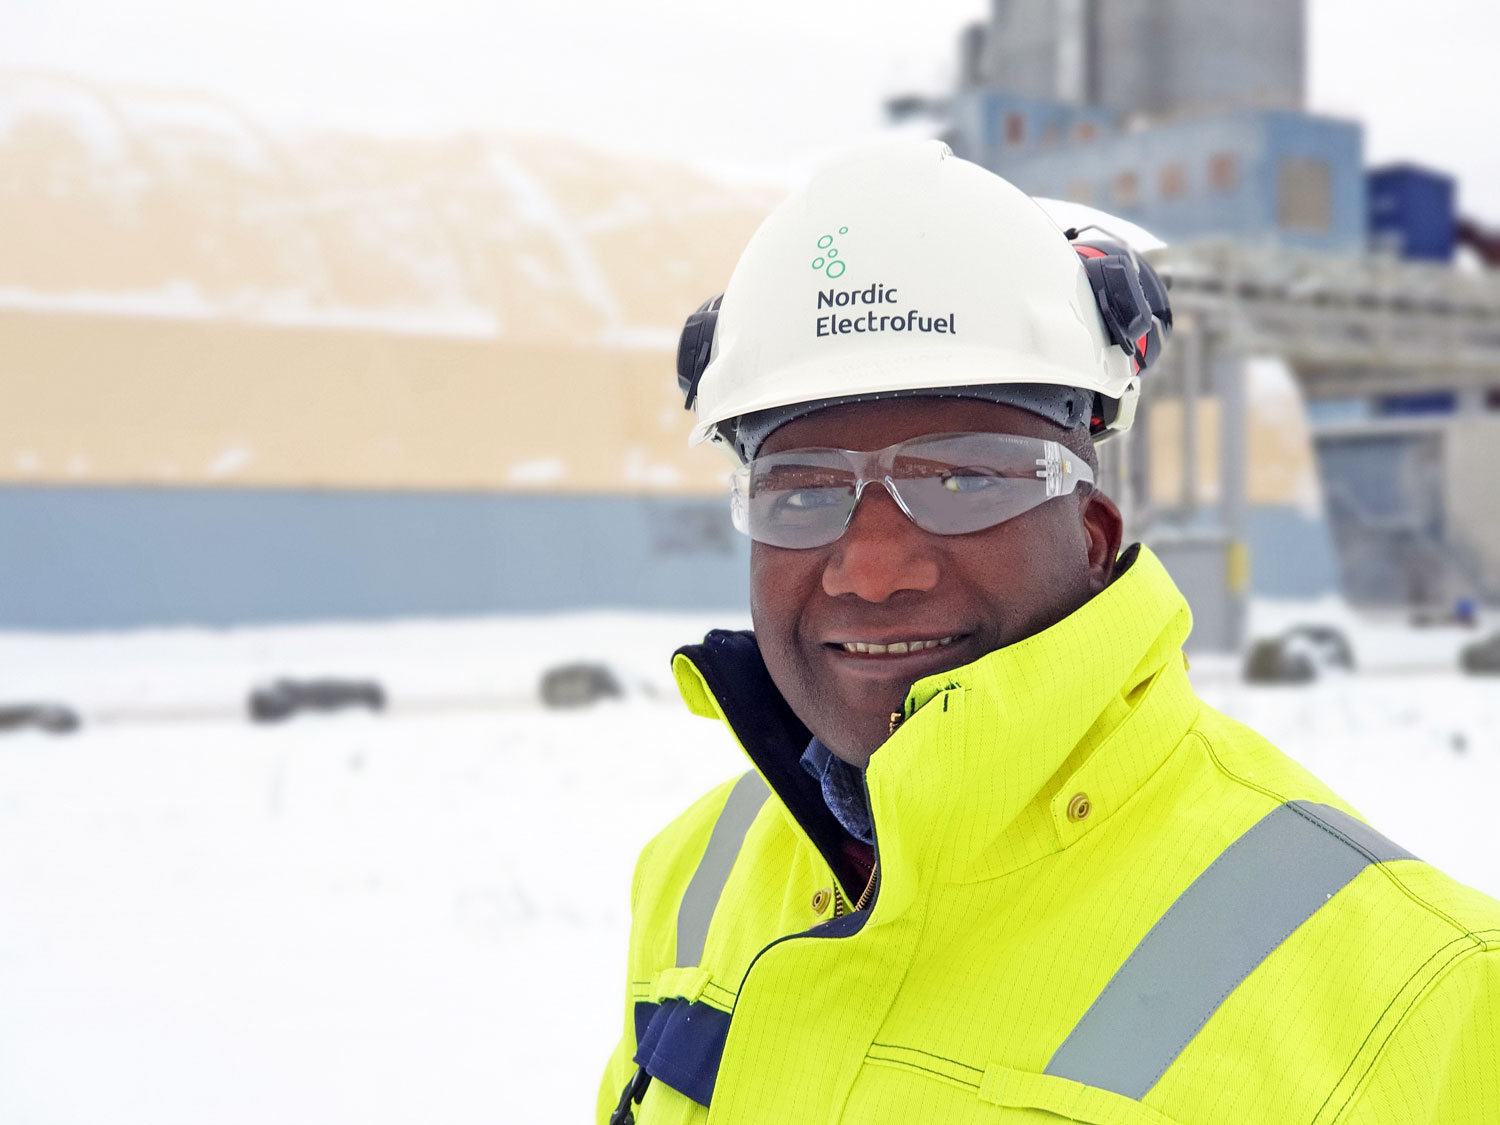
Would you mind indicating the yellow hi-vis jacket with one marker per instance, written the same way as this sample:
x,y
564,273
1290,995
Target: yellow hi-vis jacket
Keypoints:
x,y
1098,900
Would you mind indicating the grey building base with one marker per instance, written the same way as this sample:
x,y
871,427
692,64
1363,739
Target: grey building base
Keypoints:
x,y
117,558
112,558
1290,556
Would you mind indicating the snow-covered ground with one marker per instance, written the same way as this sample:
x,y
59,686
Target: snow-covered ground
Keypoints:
x,y
420,916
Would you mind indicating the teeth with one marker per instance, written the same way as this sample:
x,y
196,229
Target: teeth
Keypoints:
x,y
896,648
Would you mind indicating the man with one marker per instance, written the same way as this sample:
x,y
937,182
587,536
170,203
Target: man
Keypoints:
x,y
993,859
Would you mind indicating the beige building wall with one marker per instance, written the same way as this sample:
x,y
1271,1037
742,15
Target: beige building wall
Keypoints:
x,y
1283,469
122,401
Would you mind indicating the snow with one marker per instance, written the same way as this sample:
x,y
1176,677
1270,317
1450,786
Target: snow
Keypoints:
x,y
184,300
197,212
230,460
40,97
184,128
540,470
535,205
421,916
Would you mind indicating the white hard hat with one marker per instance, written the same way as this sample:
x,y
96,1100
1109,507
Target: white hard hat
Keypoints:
x,y
903,268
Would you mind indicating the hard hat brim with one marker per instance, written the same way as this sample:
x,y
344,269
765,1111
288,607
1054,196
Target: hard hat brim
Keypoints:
x,y
906,370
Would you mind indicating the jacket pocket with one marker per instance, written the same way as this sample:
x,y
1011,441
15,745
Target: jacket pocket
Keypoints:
x,y
957,1093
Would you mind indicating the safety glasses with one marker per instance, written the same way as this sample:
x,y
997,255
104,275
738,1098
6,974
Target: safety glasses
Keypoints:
x,y
948,484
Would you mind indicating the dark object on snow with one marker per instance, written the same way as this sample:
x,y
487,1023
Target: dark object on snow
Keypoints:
x,y
1482,657
54,718
1270,663
284,698
1298,655
578,685
1327,646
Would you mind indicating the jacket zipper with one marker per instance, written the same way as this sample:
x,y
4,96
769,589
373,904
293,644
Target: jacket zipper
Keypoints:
x,y
840,905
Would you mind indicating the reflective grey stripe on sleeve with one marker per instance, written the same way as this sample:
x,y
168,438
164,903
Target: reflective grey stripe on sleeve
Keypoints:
x,y
702,894
1251,899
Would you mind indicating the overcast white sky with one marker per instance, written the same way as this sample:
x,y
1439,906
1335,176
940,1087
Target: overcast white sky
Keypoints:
x,y
763,84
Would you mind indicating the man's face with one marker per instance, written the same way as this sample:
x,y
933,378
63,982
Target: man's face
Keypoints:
x,y
887,581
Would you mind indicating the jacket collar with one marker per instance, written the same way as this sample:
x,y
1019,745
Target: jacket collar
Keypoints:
x,y
978,778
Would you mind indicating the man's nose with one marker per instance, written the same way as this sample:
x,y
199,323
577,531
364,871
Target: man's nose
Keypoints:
x,y
880,553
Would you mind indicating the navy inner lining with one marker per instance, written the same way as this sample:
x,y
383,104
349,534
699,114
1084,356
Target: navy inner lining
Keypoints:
x,y
681,1043
771,734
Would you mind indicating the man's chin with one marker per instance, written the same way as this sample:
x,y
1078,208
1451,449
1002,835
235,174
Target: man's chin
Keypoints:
x,y
854,734
858,718
854,748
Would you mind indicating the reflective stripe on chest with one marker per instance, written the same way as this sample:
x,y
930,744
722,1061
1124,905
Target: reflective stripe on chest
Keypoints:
x,y
1255,895
1259,891
707,884
680,1040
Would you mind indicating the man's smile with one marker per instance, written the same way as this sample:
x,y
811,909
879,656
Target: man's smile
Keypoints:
x,y
896,664
895,648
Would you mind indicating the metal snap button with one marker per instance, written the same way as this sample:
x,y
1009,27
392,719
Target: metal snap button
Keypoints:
x,y
821,898
1079,807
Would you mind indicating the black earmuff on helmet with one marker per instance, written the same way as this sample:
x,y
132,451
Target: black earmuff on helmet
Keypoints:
x,y
694,347
1131,295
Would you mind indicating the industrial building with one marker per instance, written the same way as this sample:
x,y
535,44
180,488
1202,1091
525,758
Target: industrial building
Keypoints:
x,y
1187,117
1183,117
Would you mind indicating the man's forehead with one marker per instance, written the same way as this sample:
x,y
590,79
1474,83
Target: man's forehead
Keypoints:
x,y
876,424
1066,407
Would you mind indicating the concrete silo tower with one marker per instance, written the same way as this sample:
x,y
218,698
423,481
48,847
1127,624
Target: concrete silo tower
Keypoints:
x,y
1143,58
1038,48
1167,58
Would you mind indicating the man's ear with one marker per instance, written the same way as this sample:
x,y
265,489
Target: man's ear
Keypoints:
x,y
1104,527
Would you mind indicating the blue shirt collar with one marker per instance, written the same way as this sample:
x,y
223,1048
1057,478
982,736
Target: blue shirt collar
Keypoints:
x,y
843,788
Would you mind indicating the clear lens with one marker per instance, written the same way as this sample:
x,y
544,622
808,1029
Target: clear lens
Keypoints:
x,y
957,483
949,484
799,499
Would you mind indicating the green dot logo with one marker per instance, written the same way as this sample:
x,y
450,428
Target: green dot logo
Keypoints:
x,y
829,261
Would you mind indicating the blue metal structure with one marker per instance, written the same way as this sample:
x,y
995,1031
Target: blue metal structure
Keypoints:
x,y
1257,175
1412,212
